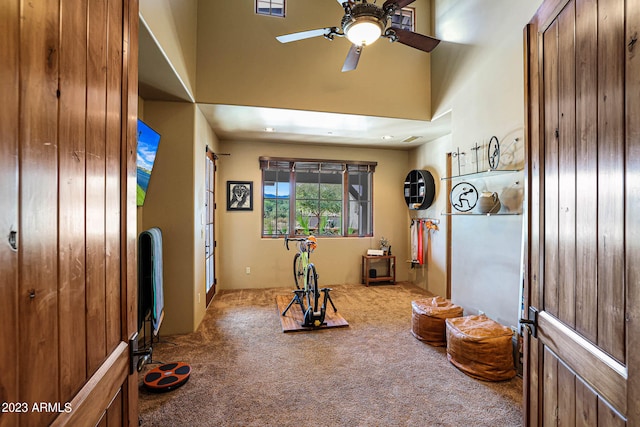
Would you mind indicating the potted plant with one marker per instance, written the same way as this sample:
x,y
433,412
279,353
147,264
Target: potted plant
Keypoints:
x,y
385,245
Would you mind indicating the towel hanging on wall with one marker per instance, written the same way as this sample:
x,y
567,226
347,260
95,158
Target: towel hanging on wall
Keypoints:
x,y
431,227
420,249
150,286
414,241
420,241
417,236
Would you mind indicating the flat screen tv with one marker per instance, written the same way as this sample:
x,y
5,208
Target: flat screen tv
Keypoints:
x,y
148,141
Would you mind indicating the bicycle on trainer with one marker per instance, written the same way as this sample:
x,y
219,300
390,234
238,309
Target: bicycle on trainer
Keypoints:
x,y
305,277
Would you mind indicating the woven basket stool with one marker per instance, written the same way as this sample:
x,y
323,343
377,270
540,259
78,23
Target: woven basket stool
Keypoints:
x,y
427,321
480,347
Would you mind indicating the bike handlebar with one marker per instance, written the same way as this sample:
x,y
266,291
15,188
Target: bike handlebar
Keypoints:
x,y
295,239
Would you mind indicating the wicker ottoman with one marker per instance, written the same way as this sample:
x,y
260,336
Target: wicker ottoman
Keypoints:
x,y
427,321
480,347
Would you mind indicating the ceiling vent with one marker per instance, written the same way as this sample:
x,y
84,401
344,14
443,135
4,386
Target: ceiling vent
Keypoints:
x,y
411,138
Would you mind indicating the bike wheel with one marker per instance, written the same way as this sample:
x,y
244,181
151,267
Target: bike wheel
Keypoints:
x,y
313,293
298,270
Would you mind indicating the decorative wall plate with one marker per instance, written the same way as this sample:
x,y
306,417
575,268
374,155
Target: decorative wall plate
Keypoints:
x,y
493,152
463,197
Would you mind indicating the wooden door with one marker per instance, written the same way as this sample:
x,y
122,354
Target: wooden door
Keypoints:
x,y
583,127
67,162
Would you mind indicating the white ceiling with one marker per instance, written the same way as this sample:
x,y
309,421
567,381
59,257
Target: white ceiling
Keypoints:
x,y
159,81
233,122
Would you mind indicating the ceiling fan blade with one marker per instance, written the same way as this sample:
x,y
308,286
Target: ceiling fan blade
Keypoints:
x,y
399,3
416,40
351,62
303,35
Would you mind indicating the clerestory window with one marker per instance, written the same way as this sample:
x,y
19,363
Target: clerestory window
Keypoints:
x,y
270,7
320,197
403,19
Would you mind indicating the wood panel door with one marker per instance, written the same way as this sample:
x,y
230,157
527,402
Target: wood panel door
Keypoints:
x,y
67,162
583,127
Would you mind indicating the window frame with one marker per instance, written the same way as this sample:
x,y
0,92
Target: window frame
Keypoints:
x,y
271,8
411,11
348,168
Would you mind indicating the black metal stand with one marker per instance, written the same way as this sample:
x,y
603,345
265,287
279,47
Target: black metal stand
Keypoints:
x,y
295,299
328,297
309,317
144,355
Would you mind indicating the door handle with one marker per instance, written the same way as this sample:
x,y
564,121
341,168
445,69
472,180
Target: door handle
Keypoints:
x,y
13,240
138,358
531,324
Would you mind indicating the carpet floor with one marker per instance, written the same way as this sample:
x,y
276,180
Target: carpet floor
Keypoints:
x,y
247,372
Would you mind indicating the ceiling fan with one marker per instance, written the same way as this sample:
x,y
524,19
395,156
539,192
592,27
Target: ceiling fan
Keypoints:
x,y
363,23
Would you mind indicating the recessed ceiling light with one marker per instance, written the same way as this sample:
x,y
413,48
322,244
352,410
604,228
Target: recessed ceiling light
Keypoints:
x,y
387,137
269,130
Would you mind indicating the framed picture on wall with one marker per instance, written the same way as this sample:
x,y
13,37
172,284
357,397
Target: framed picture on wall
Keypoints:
x,y
239,195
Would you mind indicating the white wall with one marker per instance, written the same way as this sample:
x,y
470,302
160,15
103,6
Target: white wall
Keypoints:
x,y
477,74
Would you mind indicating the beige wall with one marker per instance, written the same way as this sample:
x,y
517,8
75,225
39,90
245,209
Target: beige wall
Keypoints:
x,y
433,274
478,76
241,63
173,23
169,205
338,259
204,137
175,203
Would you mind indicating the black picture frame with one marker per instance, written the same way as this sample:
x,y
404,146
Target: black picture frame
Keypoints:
x,y
239,195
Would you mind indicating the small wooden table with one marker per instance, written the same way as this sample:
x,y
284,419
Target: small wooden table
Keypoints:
x,y
390,260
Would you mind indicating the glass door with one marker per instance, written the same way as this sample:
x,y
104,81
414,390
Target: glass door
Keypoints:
x,y
210,242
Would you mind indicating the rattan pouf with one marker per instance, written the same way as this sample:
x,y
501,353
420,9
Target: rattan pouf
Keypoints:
x,y
480,347
427,321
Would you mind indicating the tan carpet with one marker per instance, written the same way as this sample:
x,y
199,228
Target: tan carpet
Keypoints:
x,y
246,372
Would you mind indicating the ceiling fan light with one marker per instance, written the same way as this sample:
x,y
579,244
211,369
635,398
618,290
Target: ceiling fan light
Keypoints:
x,y
364,32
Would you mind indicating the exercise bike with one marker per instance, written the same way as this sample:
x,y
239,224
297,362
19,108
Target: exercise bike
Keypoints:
x,y
306,280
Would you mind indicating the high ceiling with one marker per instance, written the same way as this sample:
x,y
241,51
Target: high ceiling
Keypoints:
x,y
159,81
231,122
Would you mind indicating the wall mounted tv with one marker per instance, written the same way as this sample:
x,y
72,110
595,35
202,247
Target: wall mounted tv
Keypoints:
x,y
148,141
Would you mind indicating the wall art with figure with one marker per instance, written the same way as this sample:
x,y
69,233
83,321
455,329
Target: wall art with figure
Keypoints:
x,y
239,195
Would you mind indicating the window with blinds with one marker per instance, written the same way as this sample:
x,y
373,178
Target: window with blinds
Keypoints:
x,y
319,197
